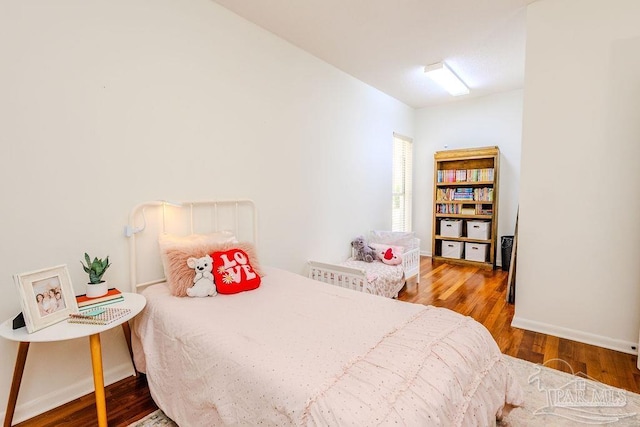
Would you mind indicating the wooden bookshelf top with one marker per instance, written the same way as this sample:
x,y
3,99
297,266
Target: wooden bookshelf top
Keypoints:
x,y
467,153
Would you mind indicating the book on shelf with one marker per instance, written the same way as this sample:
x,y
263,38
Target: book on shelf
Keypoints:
x,y
465,175
484,211
112,294
484,194
99,315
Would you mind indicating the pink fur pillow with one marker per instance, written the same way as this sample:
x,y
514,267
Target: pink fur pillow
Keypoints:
x,y
176,252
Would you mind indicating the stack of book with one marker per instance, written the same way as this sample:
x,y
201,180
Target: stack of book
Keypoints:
x,y
111,297
463,194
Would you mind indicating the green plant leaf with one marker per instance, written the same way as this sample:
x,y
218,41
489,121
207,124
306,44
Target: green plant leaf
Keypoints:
x,y
95,268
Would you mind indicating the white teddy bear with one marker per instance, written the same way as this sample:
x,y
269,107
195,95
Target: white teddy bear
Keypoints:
x,y
203,285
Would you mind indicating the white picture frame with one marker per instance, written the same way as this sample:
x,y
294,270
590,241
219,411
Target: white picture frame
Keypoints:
x,y
46,296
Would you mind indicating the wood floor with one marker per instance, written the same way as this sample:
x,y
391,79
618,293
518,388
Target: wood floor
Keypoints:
x,y
467,290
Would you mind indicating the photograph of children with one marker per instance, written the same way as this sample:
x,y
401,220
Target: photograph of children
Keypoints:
x,y
48,294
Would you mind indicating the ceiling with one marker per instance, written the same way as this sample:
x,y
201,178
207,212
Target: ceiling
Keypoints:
x,y
387,43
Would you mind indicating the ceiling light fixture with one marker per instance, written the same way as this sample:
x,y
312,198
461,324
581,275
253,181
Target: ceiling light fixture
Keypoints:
x,y
447,79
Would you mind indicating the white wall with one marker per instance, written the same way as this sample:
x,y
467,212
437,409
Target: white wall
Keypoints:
x,y
109,103
478,122
578,273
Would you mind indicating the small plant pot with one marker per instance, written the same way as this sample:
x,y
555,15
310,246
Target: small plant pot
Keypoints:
x,y
95,290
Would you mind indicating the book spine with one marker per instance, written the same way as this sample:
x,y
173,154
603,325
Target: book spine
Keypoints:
x,y
82,300
86,321
104,317
100,304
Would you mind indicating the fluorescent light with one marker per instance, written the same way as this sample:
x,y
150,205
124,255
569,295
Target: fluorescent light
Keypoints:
x,y
446,78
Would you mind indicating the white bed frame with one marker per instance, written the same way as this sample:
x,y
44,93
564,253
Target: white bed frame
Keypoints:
x,y
356,278
233,215
236,215
182,218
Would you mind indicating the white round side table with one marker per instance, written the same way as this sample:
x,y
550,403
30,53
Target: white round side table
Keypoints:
x,y
62,331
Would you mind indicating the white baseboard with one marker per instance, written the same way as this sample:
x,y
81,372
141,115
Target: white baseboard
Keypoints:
x,y
30,409
572,334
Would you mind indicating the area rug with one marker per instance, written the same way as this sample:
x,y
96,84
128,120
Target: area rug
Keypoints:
x,y
157,418
552,398
555,398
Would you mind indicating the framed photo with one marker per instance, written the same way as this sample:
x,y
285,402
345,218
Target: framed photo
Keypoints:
x,y
46,297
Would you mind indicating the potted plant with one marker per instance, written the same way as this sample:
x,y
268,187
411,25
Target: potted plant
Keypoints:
x,y
96,269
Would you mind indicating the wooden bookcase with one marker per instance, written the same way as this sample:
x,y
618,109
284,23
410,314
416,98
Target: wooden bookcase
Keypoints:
x,y
458,176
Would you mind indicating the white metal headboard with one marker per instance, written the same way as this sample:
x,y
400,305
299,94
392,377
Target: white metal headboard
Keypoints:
x,y
182,218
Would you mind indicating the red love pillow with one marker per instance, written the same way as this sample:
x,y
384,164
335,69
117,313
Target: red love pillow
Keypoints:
x,y
233,273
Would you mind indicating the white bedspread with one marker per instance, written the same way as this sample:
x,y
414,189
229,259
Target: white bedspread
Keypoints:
x,y
299,352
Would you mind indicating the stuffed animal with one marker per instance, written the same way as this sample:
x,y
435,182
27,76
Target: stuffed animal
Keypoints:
x,y
363,252
203,285
389,256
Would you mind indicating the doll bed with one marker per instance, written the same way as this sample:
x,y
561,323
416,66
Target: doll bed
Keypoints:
x,y
298,352
372,277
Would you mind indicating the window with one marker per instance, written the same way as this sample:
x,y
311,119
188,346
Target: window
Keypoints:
x,y
401,183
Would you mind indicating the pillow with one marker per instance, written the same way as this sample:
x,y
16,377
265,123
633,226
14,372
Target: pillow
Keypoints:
x,y
394,238
178,274
175,251
233,271
388,254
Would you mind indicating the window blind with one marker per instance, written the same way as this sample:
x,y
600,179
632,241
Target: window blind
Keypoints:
x,y
401,183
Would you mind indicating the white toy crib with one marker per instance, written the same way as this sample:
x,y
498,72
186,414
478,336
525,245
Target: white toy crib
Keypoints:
x,y
366,277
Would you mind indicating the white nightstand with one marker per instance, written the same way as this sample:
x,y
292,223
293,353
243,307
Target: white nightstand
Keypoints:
x,y
65,331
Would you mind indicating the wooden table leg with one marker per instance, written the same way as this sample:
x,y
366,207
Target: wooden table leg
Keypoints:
x,y
98,379
21,359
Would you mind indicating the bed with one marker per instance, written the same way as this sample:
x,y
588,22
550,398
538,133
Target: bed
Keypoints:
x,y
374,277
297,352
